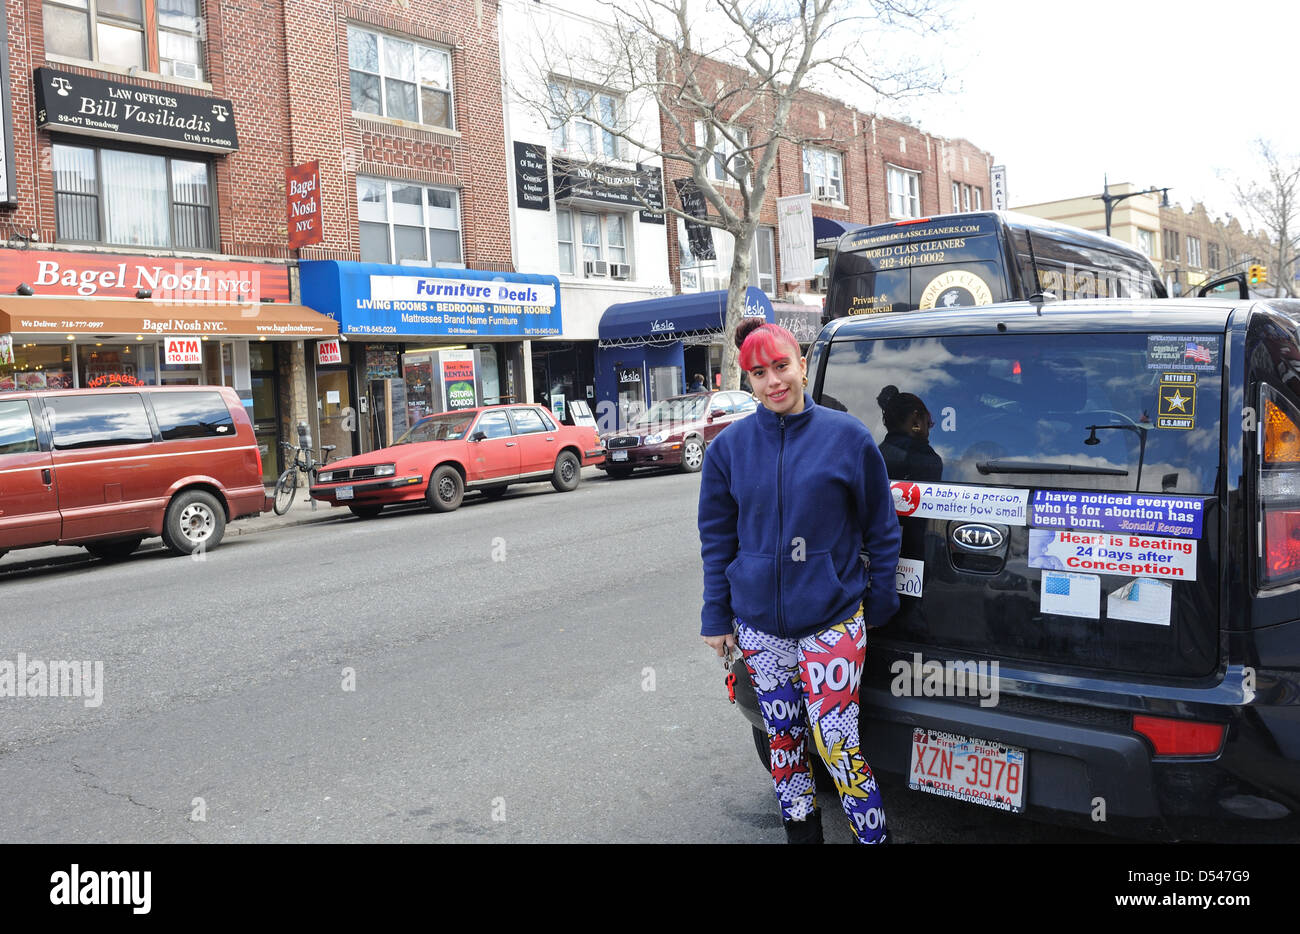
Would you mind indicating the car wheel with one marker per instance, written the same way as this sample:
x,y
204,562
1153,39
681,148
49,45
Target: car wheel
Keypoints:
x,y
568,472
446,489
113,551
618,473
692,455
194,522
365,512
496,492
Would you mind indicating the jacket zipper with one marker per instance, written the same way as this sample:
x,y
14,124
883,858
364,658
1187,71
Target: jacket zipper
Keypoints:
x,y
780,536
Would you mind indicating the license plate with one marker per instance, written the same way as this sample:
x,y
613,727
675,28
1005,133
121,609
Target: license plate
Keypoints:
x,y
976,770
619,455
343,492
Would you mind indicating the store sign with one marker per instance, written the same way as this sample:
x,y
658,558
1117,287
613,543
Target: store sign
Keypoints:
x,y
8,184
105,275
795,237
999,180
302,195
182,350
457,377
638,188
532,187
77,103
699,237
328,352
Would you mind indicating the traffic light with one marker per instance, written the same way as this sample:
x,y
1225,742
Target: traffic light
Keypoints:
x,y
1258,274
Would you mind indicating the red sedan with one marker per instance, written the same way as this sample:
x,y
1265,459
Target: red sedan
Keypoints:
x,y
444,455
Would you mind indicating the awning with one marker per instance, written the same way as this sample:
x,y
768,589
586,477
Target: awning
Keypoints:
x,y
662,320
41,315
827,231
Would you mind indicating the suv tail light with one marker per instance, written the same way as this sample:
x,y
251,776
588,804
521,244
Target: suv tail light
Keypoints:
x,y
1279,489
1180,737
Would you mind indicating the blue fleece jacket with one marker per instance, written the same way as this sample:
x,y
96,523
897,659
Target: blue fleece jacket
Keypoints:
x,y
786,504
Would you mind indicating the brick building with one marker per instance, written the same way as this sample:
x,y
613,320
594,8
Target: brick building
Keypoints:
x,y
1195,247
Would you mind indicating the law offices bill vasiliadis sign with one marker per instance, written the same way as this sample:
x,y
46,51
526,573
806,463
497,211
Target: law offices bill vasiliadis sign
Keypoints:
x,y
92,106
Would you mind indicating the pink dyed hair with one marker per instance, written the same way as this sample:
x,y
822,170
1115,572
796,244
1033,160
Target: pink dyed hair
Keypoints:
x,y
760,344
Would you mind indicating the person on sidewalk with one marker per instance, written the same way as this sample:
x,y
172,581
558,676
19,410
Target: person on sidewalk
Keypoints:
x,y
788,499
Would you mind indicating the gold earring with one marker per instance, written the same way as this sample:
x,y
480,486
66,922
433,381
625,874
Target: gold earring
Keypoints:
x,y
805,381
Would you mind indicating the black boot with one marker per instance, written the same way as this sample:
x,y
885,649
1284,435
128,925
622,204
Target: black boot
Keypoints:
x,y
808,830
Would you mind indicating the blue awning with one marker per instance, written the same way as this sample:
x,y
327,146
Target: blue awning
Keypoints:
x,y
827,232
667,319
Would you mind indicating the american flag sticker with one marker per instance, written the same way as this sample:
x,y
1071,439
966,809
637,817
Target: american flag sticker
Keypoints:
x,y
1183,352
1067,594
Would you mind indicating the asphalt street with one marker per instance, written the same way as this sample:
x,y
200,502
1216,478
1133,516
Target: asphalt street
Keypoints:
x,y
527,670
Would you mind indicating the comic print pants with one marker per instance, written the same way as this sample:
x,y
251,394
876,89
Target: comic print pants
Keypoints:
x,y
812,684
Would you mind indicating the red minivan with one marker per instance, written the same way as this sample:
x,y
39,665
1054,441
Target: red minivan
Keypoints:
x,y
107,468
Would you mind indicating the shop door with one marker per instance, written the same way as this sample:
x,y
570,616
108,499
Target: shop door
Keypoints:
x,y
631,394
337,417
265,421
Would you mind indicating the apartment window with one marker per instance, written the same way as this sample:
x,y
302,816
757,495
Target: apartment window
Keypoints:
x,y
406,224
905,193
1214,256
1146,242
723,151
979,198
1171,245
1194,252
115,32
132,198
399,78
711,275
956,197
575,113
823,174
599,237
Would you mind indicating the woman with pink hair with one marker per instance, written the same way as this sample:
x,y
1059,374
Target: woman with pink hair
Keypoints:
x,y
789,500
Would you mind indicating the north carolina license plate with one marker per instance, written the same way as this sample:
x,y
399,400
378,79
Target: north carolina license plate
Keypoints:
x,y
975,770
343,492
619,455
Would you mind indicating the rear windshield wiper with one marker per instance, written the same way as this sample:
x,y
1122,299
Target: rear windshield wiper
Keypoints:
x,y
988,467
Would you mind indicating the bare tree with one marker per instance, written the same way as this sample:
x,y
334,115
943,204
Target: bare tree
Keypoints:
x,y
734,69
1273,201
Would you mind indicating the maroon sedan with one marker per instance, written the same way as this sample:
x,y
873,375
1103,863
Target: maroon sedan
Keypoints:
x,y
444,455
674,432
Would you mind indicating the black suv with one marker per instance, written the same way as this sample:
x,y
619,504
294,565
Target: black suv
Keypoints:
x,y
1100,571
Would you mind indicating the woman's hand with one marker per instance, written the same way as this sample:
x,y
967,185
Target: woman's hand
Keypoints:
x,y
721,644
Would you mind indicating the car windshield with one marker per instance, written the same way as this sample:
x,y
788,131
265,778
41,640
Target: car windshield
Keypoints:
x,y
671,411
1120,411
448,427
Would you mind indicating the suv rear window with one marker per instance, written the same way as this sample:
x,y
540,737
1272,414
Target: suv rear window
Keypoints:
x,y
1087,411
192,415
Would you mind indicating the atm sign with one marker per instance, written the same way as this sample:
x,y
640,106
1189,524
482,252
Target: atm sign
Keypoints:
x,y
183,350
328,352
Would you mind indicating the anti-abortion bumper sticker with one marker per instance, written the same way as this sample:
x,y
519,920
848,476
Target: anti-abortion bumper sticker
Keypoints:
x,y
1176,516
1141,601
1171,559
1067,594
947,501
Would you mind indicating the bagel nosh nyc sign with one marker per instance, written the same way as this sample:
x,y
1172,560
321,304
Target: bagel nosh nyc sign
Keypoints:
x,y
76,103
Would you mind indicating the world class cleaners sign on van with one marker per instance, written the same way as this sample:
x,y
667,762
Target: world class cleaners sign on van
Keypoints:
x,y
460,307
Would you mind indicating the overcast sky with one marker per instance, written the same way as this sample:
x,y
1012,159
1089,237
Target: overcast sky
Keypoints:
x,y
1153,92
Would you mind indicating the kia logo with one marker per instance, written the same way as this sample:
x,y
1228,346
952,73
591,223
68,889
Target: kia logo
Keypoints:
x,y
975,536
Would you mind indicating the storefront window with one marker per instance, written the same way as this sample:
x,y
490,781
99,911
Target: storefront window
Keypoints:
x,y
37,366
101,365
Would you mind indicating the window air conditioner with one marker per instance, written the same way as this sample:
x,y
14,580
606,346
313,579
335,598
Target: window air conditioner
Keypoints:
x,y
827,193
185,70
595,267
619,270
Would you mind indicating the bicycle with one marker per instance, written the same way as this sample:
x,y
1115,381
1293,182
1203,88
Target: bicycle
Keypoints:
x,y
286,487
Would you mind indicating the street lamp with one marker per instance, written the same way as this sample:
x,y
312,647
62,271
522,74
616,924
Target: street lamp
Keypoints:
x,y
1111,200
